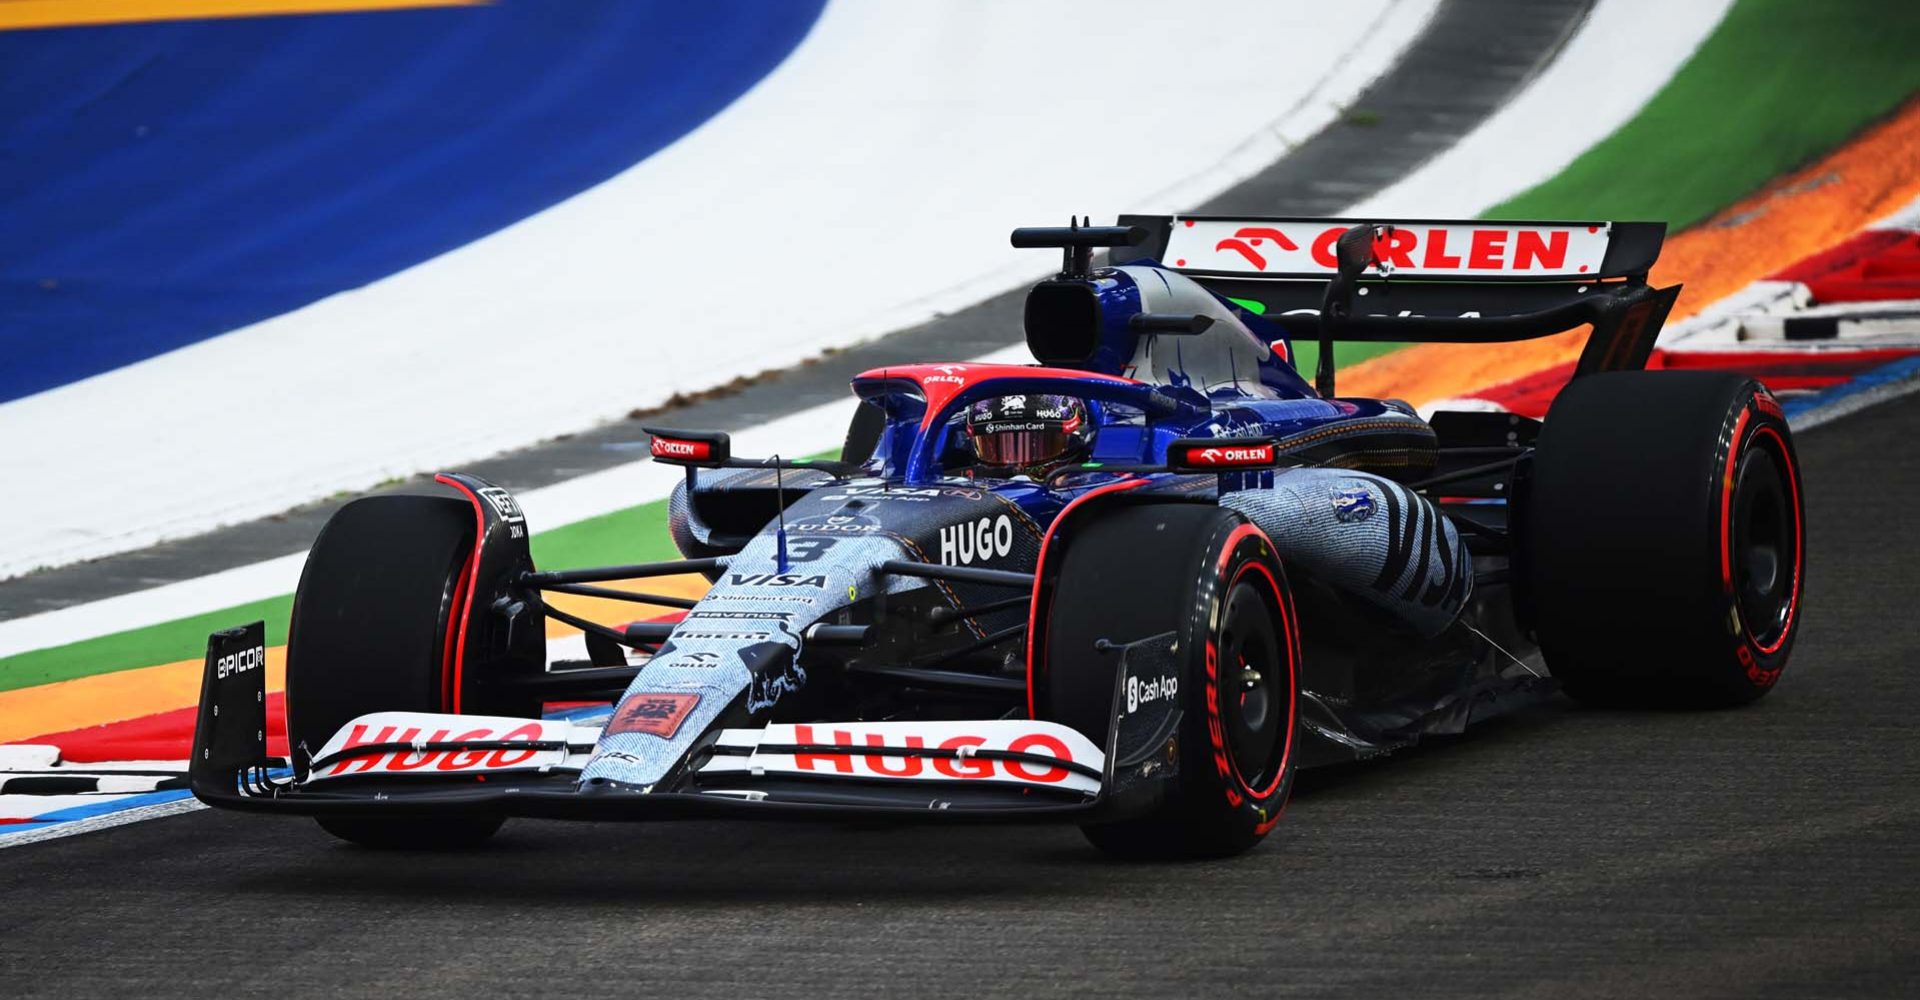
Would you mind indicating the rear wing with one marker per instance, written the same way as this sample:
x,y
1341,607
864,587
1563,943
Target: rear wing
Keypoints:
x,y
1431,281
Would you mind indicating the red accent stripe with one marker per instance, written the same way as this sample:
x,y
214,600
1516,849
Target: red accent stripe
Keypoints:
x,y
1039,572
1781,370
1875,266
939,384
1726,501
161,736
1226,555
1288,617
473,585
450,643
1771,366
1799,540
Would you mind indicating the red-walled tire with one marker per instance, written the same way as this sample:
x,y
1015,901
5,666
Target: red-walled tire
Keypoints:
x,y
372,631
1665,540
1213,579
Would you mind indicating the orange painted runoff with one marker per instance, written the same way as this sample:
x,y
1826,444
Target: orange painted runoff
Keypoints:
x,y
131,694
68,13
1869,178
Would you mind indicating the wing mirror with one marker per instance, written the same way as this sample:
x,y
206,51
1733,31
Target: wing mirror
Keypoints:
x,y
1353,253
1354,249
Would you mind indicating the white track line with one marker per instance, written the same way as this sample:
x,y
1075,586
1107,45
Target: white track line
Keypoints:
x,y
806,432
105,821
1624,54
866,184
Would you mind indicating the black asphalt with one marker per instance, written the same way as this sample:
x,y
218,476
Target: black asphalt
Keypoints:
x,y
1472,57
1772,851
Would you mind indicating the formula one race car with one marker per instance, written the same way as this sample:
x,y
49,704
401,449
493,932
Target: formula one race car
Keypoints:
x,y
1135,587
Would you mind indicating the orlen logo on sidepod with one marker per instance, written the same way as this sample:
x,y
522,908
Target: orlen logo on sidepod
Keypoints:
x,y
1261,454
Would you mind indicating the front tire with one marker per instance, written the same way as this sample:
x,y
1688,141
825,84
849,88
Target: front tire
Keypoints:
x,y
1214,580
1665,539
374,624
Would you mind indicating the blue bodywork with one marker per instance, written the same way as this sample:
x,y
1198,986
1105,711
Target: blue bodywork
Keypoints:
x,y
1205,392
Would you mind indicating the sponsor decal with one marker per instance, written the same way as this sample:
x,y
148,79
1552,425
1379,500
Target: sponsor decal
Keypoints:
x,y
1010,426
776,674
911,493
419,727
239,662
653,713
971,541
762,598
776,580
1767,404
503,504
1307,247
749,616
1230,456
1247,240
716,635
1145,692
696,451
835,526
1353,504
846,750
808,549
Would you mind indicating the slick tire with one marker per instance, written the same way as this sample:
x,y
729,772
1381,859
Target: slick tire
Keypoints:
x,y
371,631
1663,540
1214,580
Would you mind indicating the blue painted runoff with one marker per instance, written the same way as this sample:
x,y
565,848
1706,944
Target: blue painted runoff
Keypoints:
x,y
164,183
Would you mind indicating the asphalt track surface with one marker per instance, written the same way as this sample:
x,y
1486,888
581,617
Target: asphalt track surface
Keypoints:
x,y
1472,57
1768,851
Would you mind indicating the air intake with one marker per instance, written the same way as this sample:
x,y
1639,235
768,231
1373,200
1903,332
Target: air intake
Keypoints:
x,y
1063,323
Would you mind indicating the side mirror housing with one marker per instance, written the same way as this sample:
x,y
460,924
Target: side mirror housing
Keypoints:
x,y
1354,249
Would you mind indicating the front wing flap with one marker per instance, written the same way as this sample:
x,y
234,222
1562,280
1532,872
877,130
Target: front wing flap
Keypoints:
x,y
414,763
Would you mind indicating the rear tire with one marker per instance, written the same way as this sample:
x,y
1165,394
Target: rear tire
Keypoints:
x,y
374,626
1665,539
1214,580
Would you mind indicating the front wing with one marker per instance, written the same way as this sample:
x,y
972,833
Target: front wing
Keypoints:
x,y
412,763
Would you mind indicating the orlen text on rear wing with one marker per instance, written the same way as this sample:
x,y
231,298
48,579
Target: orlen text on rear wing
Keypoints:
x,y
1435,281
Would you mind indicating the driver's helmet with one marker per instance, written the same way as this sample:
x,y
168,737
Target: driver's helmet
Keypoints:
x,y
1028,432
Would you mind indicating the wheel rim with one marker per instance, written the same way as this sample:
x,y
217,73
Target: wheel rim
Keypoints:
x,y
1766,547
1251,665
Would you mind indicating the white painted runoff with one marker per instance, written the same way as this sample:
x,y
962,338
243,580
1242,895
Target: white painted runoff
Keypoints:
x,y
806,432
1621,57
868,183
